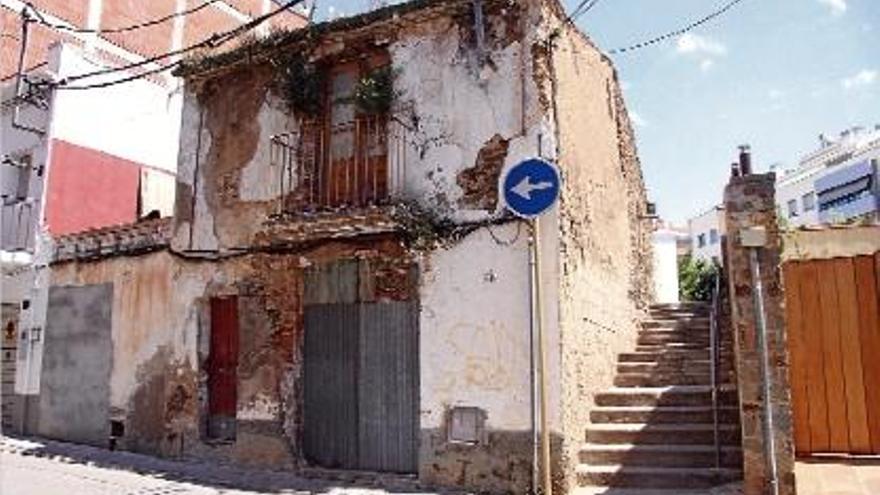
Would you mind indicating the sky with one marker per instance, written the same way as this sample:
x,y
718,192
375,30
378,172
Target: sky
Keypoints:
x,y
773,74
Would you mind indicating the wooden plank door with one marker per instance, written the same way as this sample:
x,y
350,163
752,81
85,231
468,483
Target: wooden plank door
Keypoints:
x,y
834,341
223,368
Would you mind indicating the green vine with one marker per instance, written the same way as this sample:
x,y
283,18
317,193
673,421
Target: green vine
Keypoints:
x,y
300,83
374,93
423,229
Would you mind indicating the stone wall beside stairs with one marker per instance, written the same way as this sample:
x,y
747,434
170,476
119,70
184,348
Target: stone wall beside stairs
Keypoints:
x,y
749,202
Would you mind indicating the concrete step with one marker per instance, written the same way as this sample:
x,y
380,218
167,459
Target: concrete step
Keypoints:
x,y
658,434
604,490
664,356
660,379
654,477
672,338
683,366
688,323
662,414
674,455
672,346
691,395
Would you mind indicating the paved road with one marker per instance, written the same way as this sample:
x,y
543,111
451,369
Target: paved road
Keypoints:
x,y
49,468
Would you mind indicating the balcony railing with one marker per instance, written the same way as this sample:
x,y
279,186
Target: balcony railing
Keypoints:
x,y
18,229
326,166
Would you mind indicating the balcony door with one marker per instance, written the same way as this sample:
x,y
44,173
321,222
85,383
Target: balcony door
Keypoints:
x,y
354,171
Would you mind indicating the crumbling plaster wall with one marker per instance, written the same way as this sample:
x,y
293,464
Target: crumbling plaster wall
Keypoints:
x,y
457,100
604,253
159,330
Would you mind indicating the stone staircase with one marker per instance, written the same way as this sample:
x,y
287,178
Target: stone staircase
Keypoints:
x,y
653,431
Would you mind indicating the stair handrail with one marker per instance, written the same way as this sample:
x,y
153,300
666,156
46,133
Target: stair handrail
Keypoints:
x,y
714,312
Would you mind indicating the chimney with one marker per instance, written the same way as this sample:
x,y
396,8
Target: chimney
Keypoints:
x,y
734,169
745,160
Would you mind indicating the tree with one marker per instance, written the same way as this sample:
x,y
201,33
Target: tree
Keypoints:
x,y
696,279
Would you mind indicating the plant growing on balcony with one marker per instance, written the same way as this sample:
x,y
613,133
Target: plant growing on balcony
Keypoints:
x,y
374,93
300,83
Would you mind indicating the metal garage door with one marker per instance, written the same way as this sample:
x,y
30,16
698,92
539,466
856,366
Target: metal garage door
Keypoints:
x,y
361,376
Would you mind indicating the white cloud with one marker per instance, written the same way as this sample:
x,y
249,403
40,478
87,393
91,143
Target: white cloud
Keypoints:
x,y
865,77
776,94
705,50
638,120
625,85
838,7
695,44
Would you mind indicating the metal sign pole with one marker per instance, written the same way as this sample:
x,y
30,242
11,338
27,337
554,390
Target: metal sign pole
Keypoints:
x,y
542,367
533,379
529,189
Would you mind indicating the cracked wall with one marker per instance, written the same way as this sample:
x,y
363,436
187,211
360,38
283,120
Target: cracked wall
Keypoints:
x,y
473,111
604,255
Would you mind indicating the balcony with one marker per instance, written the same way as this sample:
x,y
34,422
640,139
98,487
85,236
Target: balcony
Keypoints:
x,y
326,167
18,226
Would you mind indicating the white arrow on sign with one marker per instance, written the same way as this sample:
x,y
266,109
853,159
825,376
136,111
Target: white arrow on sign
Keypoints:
x,y
525,187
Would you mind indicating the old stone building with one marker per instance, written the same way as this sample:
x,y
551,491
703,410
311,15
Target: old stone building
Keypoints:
x,y
340,285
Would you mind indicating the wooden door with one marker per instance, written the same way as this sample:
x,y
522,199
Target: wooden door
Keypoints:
x,y
223,368
834,344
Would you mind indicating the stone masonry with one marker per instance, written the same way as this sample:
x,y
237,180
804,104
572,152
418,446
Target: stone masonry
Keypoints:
x,y
749,202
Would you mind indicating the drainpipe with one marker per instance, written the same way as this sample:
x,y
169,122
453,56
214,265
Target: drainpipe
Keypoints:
x,y
754,239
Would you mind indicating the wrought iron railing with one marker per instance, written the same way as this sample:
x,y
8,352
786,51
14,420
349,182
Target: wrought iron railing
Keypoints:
x,y
327,166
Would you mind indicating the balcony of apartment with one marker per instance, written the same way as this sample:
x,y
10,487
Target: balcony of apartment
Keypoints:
x,y
339,177
18,225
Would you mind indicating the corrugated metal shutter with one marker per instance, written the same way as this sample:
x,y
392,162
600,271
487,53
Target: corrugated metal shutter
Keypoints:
x,y
361,376
331,360
388,387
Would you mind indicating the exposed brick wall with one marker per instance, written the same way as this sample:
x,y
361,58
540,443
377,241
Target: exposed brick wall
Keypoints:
x,y
39,40
147,41
205,22
75,12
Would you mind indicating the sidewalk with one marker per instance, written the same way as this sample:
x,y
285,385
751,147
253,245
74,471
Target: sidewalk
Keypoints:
x,y
93,470
836,476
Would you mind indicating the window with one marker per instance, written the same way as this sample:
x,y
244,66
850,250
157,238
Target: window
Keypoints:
x,y
343,154
792,208
701,240
713,236
809,201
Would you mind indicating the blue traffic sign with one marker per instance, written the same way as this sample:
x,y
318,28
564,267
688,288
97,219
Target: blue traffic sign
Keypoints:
x,y
530,187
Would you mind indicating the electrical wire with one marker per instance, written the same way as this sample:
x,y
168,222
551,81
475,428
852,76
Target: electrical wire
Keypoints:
x,y
582,8
134,27
214,40
674,34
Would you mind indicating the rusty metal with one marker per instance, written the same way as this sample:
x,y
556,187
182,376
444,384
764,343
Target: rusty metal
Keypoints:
x,y
357,164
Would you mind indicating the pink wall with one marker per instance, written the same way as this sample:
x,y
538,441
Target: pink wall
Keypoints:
x,y
89,189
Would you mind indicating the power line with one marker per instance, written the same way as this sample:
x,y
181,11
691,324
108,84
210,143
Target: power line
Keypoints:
x,y
582,8
71,29
215,39
673,34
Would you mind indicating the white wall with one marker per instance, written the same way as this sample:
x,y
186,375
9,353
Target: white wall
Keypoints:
x,y
665,266
703,224
474,329
138,121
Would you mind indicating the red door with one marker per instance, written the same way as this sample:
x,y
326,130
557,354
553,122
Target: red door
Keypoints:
x,y
222,367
